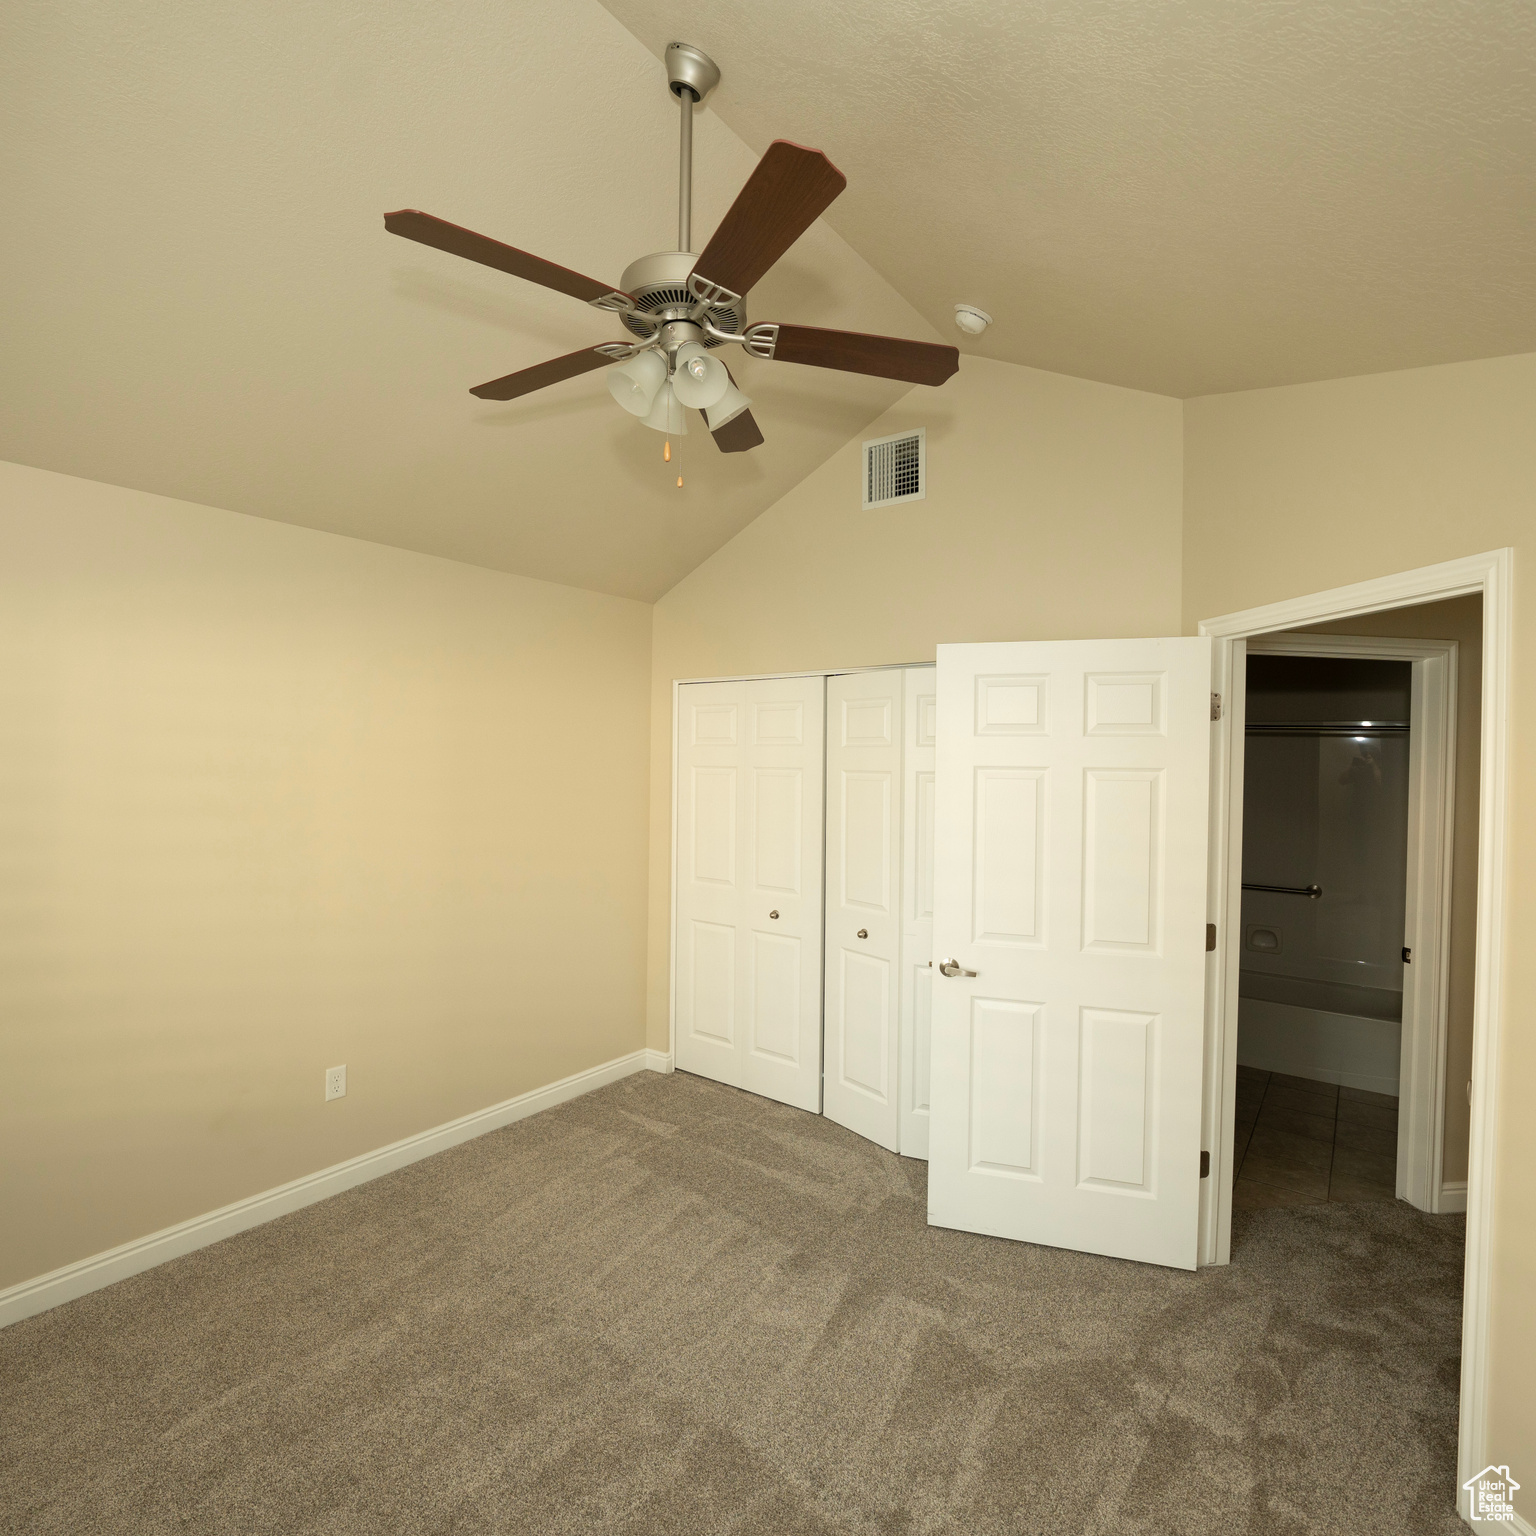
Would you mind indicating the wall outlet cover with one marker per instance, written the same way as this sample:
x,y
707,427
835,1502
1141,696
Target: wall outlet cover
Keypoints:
x,y
335,1083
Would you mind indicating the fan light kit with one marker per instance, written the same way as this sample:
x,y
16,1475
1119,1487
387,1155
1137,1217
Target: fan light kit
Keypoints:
x,y
678,307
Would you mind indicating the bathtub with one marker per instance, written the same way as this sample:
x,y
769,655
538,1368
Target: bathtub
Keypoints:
x,y
1324,1030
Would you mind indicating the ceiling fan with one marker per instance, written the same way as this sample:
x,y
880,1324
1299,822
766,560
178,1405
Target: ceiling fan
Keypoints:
x,y
679,306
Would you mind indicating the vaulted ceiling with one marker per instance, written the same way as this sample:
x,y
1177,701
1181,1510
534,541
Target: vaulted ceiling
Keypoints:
x,y
200,298
1185,196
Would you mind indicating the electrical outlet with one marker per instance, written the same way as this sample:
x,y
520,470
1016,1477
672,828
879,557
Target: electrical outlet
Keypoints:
x,y
336,1082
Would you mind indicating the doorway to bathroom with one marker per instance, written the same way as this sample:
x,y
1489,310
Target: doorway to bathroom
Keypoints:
x,y
1325,896
1468,600
1359,789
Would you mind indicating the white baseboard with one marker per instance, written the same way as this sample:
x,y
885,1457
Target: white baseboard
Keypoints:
x,y
1453,1198
132,1258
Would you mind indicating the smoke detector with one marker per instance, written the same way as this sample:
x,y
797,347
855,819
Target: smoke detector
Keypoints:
x,y
971,320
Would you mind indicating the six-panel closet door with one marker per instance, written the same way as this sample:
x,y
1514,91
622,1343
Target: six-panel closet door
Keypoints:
x,y
919,730
879,904
863,904
750,764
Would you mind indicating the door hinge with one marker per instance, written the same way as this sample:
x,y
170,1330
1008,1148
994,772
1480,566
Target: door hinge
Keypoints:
x,y
1407,955
1205,1165
1210,937
1215,706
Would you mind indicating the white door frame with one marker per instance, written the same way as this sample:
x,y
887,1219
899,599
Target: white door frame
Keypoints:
x,y
1427,920
1489,575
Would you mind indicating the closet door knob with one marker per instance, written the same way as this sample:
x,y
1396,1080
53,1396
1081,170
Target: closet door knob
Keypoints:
x,y
863,933
774,913
953,968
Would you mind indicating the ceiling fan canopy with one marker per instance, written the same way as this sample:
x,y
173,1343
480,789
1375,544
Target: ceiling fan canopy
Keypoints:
x,y
678,307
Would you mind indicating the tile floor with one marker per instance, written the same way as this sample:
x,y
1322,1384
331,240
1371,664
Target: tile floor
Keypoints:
x,y
1300,1142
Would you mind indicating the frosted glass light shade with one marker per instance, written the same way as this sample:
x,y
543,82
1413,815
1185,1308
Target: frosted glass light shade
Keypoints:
x,y
667,415
634,384
727,408
698,379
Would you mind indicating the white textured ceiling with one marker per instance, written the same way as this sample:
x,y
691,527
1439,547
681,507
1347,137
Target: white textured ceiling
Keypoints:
x,y
1185,196
198,297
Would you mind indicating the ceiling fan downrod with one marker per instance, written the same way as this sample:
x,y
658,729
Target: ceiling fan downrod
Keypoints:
x,y
685,170
691,76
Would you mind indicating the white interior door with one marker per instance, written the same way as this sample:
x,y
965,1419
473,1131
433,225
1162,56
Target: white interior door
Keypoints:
x,y
748,883
919,731
863,902
1070,891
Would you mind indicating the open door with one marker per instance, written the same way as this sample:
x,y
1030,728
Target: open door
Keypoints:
x,y
1069,937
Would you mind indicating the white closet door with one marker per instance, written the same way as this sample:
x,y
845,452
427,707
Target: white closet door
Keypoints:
x,y
919,714
864,741
749,873
1073,779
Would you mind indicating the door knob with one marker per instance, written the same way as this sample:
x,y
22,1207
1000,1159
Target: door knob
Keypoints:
x,y
774,913
863,933
953,968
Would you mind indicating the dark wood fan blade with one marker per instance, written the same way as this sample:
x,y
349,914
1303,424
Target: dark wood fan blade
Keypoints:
x,y
526,380
782,199
426,230
738,434
887,357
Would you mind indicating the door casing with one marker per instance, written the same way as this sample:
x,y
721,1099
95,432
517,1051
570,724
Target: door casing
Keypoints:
x,y
1491,576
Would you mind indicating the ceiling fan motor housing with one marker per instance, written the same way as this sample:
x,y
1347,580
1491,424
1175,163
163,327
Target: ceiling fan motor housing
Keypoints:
x,y
690,69
659,286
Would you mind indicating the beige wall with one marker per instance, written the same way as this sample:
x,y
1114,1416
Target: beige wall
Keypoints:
x,y
1296,490
272,800
1053,509
1460,620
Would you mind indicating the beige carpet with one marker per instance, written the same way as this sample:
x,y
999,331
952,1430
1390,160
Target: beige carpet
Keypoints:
x,y
671,1307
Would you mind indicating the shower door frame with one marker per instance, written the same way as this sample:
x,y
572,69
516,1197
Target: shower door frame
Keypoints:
x,y
1427,915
